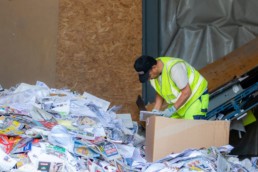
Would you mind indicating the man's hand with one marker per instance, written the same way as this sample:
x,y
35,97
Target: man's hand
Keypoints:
x,y
169,112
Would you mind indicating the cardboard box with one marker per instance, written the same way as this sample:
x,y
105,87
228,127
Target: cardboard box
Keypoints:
x,y
166,135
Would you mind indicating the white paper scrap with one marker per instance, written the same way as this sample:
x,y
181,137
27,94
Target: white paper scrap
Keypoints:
x,y
126,119
99,102
6,162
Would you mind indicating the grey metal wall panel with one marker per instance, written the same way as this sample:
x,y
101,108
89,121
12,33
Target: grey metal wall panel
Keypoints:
x,y
198,31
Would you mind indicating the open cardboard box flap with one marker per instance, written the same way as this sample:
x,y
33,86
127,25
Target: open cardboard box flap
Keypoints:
x,y
166,135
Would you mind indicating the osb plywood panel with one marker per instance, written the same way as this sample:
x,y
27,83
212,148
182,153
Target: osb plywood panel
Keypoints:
x,y
231,66
98,43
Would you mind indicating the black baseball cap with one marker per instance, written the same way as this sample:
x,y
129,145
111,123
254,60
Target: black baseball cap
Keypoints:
x,y
142,65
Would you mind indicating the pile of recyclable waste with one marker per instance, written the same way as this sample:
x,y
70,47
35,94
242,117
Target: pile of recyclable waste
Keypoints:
x,y
59,130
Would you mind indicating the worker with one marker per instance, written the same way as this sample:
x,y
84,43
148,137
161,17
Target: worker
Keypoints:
x,y
182,87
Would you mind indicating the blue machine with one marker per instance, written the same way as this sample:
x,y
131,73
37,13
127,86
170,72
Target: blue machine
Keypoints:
x,y
234,99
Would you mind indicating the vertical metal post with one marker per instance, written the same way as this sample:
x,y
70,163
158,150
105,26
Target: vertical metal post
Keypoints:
x,y
150,41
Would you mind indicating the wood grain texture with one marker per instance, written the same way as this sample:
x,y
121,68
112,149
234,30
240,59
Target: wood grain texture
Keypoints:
x,y
98,42
233,65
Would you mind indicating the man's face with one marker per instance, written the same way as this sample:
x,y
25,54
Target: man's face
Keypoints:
x,y
154,73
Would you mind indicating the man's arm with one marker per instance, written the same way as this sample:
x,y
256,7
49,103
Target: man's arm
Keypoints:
x,y
158,102
179,76
185,94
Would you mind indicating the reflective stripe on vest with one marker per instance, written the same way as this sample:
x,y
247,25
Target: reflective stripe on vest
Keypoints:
x,y
168,89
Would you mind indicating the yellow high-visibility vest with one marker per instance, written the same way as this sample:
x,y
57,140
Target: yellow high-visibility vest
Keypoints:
x,y
168,89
